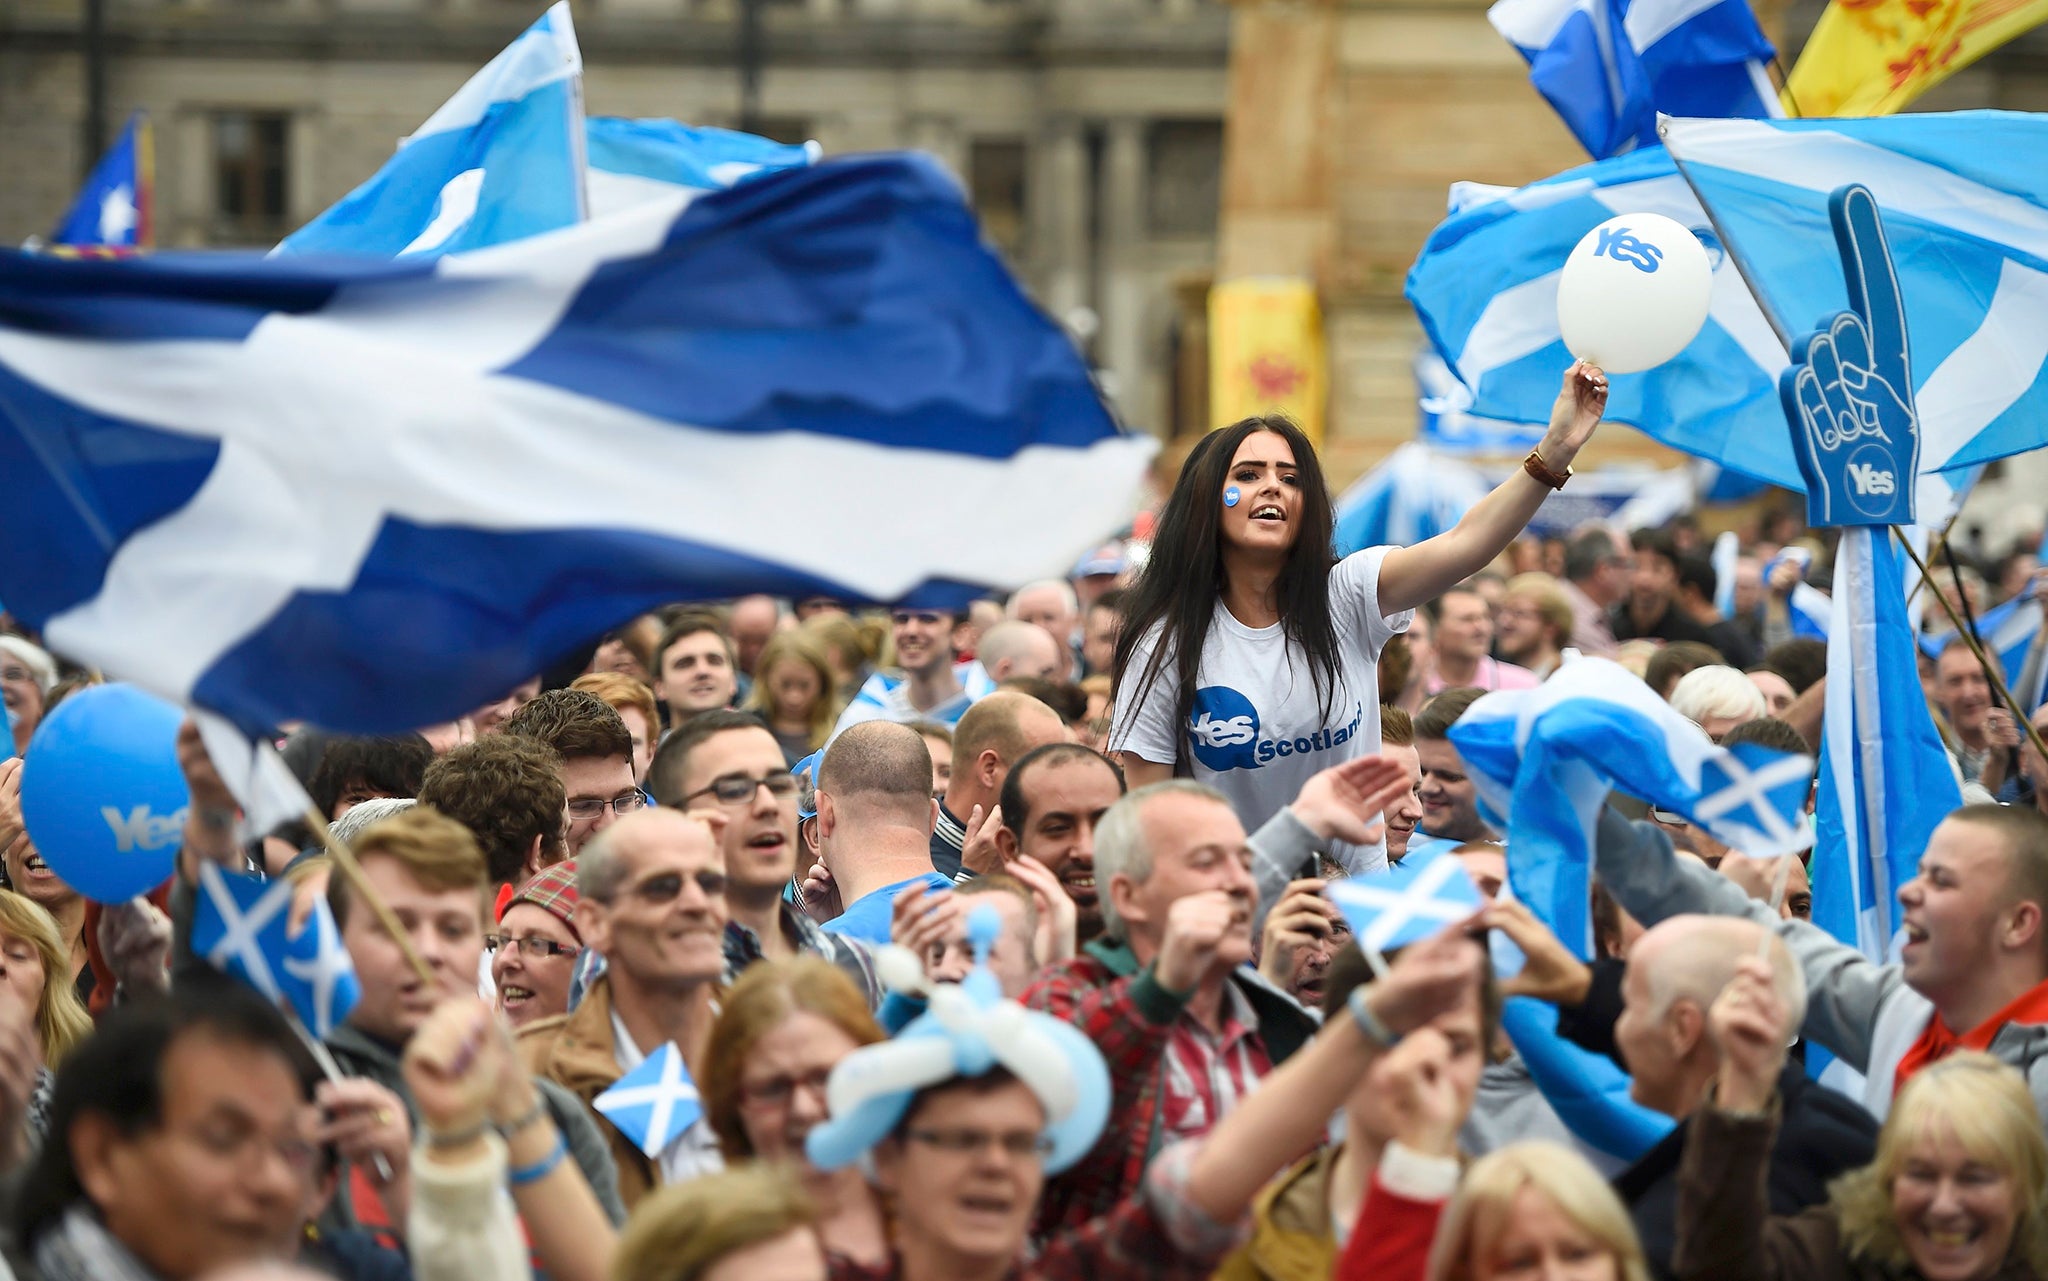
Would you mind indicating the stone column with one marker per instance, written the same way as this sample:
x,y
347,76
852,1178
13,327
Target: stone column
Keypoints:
x,y
1059,199
1124,338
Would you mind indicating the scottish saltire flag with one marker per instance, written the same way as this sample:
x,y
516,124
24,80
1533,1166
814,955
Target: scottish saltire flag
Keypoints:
x,y
1446,426
1544,760
1415,494
240,928
113,208
1964,197
1411,901
1609,66
635,160
654,1103
2007,630
501,160
373,495
1485,289
1885,780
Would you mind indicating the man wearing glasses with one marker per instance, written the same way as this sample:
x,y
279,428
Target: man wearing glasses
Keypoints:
x,y
597,758
728,763
930,683
651,901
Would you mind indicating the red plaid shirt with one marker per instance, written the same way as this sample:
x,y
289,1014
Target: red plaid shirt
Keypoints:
x,y
1210,1073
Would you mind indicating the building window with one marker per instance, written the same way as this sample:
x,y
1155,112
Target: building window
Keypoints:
x,y
995,182
249,176
1186,178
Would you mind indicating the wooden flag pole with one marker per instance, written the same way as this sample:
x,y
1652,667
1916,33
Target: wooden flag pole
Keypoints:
x,y
345,863
1998,685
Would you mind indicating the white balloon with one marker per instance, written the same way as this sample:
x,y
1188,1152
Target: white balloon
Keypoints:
x,y
1634,293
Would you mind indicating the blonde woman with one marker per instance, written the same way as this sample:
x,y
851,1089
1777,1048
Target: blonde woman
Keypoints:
x,y
751,1223
35,968
1955,1193
795,691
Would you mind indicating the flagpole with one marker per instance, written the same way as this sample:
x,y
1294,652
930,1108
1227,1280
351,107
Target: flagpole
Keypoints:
x,y
352,871
1969,638
332,1071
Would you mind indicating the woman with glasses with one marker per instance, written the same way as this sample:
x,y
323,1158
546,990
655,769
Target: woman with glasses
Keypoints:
x,y
782,1028
534,950
26,674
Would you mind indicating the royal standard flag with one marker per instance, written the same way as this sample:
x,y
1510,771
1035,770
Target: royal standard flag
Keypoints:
x,y
1873,57
1266,352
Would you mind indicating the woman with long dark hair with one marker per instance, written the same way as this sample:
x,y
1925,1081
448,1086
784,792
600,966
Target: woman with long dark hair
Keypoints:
x,y
1248,652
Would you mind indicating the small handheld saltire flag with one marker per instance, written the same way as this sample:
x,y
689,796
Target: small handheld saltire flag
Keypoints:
x,y
225,472
1415,494
1873,57
1544,760
501,160
1609,66
1407,902
1485,289
1885,779
114,208
654,1103
239,928
1965,201
632,160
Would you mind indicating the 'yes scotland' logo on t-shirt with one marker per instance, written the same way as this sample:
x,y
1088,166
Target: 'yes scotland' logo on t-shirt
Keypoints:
x,y
1223,729
1223,732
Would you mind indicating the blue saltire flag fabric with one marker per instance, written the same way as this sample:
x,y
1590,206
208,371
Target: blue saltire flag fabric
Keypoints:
x,y
1446,425
113,207
654,1103
373,495
1543,761
1587,1091
1485,289
1415,494
1964,198
2007,630
240,928
501,160
1885,779
1609,66
631,160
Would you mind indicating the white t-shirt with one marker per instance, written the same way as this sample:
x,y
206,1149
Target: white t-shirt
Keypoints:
x,y
1257,731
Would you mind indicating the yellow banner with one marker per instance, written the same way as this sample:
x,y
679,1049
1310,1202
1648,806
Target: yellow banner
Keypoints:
x,y
1873,57
1266,353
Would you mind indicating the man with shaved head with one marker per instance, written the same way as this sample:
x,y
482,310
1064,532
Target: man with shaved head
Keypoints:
x,y
1011,648
875,815
995,734
651,902
1674,973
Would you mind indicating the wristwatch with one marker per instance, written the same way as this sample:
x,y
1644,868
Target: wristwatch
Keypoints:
x,y
1536,467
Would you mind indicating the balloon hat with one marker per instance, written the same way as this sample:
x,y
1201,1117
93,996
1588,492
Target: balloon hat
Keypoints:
x,y
968,1030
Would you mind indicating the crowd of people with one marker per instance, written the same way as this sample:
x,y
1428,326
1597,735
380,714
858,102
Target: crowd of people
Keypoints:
x,y
997,943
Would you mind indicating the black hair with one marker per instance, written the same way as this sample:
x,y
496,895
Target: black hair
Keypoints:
x,y
1696,570
1801,661
394,766
665,771
117,1073
1183,579
1016,809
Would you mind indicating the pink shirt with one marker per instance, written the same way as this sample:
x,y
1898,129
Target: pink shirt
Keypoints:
x,y
1489,675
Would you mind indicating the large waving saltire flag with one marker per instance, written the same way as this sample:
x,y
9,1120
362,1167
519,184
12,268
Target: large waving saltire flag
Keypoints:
x,y
1485,289
372,495
1415,494
1885,779
500,160
1609,66
1965,202
635,160
1544,760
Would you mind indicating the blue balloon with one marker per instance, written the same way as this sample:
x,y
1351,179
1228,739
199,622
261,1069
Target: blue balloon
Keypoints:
x,y
102,794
